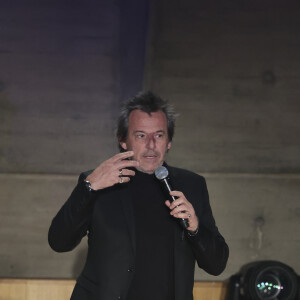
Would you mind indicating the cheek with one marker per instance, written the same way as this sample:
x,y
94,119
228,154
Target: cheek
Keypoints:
x,y
136,148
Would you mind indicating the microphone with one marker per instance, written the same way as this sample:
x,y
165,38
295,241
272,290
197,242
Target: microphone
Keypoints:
x,y
162,174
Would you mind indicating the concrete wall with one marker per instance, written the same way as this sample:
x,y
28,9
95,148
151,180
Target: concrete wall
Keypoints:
x,y
63,74
59,93
231,71
59,65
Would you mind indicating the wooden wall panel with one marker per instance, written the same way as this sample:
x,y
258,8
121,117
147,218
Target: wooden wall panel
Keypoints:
x,y
37,289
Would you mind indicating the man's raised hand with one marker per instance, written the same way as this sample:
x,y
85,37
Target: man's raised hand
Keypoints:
x,y
110,171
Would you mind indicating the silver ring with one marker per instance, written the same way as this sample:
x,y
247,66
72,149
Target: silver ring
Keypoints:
x,y
121,172
120,179
189,215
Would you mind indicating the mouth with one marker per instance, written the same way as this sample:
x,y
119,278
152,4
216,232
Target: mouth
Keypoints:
x,y
150,156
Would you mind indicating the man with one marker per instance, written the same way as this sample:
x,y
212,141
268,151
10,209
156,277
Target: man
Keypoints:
x,y
137,249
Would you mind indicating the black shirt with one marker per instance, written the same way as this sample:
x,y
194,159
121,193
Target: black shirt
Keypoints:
x,y
154,263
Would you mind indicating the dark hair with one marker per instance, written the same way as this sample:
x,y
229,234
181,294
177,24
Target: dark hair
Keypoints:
x,y
147,102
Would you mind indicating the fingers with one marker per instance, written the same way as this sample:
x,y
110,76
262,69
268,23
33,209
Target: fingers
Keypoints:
x,y
181,208
181,214
123,175
179,201
121,156
120,160
113,171
181,205
190,216
177,194
123,179
126,172
126,164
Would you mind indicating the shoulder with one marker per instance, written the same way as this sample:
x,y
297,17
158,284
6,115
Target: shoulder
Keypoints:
x,y
185,175
183,172
191,184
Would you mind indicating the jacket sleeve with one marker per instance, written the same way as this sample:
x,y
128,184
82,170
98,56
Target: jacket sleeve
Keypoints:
x,y
209,247
71,223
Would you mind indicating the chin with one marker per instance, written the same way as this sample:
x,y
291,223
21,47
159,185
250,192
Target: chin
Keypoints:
x,y
146,170
149,166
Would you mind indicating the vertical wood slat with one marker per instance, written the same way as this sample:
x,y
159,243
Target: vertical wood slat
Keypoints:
x,y
49,289
209,290
35,289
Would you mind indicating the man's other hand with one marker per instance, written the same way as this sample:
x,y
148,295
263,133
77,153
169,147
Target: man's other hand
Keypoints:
x,y
181,208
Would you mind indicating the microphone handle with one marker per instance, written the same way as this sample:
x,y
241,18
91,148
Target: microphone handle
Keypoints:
x,y
183,222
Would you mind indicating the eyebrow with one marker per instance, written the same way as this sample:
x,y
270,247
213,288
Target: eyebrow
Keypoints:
x,y
141,131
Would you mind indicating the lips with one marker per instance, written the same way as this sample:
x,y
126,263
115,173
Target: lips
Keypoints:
x,y
150,155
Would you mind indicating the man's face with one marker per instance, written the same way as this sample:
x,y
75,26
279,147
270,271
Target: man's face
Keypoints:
x,y
148,138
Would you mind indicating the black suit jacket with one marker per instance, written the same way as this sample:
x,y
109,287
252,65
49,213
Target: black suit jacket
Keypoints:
x,y
107,217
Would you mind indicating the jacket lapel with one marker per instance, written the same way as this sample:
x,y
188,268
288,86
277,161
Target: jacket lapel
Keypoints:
x,y
179,241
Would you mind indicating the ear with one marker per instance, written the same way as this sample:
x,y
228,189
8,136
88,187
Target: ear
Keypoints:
x,y
169,145
123,145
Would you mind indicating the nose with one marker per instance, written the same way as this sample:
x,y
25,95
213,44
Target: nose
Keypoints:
x,y
151,142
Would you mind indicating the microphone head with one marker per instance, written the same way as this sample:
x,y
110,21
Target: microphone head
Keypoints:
x,y
161,172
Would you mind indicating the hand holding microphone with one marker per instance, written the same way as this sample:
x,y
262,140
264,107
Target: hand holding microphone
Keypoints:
x,y
180,207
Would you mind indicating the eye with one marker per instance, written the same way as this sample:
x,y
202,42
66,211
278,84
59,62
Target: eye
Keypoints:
x,y
140,136
159,135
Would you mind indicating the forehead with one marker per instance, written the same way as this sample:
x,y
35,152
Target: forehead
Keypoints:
x,y
142,121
